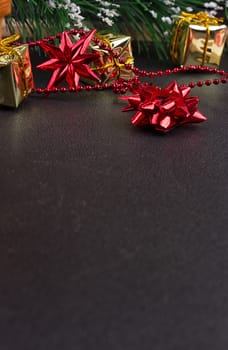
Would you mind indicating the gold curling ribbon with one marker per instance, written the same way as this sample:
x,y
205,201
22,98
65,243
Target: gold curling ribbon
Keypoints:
x,y
199,18
11,51
114,62
6,48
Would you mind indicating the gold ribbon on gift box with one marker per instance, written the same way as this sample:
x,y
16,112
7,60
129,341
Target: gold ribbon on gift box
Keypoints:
x,y
201,19
7,49
114,61
8,53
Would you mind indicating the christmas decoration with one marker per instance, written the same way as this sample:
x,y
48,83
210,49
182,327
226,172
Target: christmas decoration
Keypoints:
x,y
145,21
198,39
114,53
69,61
16,79
164,109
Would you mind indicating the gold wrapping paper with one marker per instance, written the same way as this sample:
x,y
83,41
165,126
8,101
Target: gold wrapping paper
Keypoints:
x,y
16,79
111,65
198,40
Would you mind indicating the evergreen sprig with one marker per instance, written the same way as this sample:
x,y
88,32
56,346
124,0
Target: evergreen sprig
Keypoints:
x,y
146,21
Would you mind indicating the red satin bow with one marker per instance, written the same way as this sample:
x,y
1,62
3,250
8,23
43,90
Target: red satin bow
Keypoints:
x,y
164,109
69,60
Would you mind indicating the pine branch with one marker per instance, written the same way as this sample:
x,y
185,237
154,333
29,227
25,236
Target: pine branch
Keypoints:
x,y
146,21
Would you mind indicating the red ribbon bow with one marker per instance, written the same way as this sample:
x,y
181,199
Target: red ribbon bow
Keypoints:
x,y
164,109
69,60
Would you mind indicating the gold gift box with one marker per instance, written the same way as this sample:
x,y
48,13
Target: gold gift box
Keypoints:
x,y
111,64
16,78
198,40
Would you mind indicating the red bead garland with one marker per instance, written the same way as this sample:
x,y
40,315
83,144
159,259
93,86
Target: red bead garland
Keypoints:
x,y
188,69
161,108
120,86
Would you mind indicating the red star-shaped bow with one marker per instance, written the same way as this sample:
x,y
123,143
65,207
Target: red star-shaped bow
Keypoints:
x,y
69,60
164,109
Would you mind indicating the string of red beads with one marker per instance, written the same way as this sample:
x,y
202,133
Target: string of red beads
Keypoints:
x,y
185,69
56,36
120,86
102,44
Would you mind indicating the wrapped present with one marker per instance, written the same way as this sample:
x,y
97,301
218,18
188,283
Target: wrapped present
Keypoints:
x,y
115,51
198,39
16,79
